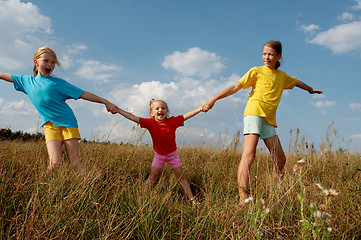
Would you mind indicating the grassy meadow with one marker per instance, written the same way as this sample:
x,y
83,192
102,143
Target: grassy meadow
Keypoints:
x,y
319,197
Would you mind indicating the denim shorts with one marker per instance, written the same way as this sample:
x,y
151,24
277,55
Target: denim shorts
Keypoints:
x,y
172,159
53,132
258,125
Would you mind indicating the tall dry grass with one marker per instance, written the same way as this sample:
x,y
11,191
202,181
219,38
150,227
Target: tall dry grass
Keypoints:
x,y
108,202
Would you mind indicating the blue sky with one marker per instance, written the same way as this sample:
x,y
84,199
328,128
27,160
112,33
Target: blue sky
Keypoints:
x,y
130,51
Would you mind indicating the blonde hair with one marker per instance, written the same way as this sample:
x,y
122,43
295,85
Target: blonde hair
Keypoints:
x,y
157,100
38,54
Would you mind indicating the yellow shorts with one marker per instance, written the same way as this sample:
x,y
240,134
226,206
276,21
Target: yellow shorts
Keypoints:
x,y
53,132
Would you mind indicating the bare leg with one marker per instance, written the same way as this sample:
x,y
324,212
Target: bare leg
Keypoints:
x,y
72,149
279,158
55,154
184,183
153,176
248,155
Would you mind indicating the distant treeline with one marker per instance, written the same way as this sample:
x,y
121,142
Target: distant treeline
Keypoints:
x,y
7,134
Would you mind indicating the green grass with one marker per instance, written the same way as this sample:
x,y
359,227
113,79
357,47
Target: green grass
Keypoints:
x,y
109,202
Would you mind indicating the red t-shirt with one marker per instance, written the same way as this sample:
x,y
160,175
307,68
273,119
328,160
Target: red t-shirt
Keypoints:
x,y
163,133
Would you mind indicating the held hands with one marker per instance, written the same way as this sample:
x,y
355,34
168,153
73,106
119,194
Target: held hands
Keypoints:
x,y
208,105
111,107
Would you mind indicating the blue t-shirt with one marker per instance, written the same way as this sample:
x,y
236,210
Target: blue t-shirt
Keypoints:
x,y
48,95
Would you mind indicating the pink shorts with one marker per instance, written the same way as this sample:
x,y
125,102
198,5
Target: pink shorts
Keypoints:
x,y
172,159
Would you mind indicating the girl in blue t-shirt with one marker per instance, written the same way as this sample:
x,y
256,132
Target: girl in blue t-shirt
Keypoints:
x,y
48,95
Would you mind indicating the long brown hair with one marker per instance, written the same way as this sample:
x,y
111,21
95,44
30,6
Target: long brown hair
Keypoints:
x,y
38,54
277,46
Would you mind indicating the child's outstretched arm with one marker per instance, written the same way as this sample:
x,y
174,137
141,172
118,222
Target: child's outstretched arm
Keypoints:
x,y
225,93
192,113
128,115
6,77
94,98
307,88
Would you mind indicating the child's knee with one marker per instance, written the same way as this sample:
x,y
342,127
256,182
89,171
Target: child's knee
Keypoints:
x,y
248,158
181,178
153,176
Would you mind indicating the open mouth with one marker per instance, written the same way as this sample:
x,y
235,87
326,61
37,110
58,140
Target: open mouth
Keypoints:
x,y
160,114
47,70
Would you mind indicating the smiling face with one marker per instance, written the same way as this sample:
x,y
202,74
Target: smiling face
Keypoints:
x,y
159,111
45,64
270,57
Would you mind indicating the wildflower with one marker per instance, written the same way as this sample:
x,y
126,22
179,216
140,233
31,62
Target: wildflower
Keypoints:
x,y
320,186
249,199
332,192
267,210
301,162
303,221
296,168
299,165
327,193
329,229
318,214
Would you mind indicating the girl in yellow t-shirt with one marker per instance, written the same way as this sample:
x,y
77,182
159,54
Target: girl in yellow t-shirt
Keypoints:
x,y
259,119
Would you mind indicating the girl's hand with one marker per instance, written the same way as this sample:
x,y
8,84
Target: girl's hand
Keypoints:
x,y
111,107
315,91
224,93
208,105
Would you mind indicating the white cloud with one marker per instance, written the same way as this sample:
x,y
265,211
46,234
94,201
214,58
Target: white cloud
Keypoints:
x,y
67,56
21,24
312,28
194,62
318,96
136,98
324,104
346,16
341,39
16,108
182,96
357,6
356,136
10,63
355,106
97,71
75,48
25,17
18,115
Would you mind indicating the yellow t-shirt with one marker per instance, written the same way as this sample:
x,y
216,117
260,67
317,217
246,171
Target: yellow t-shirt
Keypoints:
x,y
267,87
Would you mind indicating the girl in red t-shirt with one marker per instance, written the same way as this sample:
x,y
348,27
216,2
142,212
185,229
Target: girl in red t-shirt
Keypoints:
x,y
162,130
